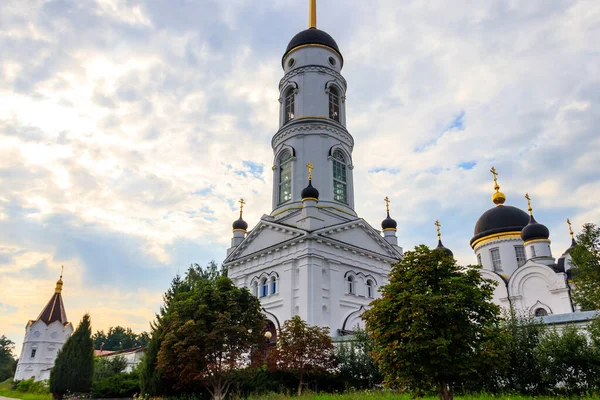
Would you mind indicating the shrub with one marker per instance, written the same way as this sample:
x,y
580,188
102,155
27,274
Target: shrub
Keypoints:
x,y
31,386
117,386
107,367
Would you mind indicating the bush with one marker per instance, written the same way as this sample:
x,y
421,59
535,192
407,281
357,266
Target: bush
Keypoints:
x,y
107,367
31,386
117,386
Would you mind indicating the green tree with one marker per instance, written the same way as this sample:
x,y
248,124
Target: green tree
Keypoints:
x,y
210,333
8,364
119,338
585,261
302,350
355,363
106,367
431,325
74,366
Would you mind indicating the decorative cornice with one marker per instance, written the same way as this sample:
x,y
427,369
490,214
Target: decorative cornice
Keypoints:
x,y
537,241
495,236
307,127
312,68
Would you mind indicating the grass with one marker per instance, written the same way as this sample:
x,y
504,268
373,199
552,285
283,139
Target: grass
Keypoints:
x,y
374,395
6,391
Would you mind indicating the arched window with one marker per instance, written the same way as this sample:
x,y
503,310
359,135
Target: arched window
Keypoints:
x,y
255,288
285,177
540,312
273,285
370,289
351,285
264,288
289,105
339,177
334,103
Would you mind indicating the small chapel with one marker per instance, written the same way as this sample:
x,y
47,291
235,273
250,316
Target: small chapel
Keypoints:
x,y
311,255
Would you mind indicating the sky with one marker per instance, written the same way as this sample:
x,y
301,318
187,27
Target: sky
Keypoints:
x,y
130,128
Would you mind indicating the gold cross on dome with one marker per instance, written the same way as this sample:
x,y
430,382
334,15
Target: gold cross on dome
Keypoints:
x,y
570,229
310,170
529,203
242,202
493,171
437,223
62,269
387,204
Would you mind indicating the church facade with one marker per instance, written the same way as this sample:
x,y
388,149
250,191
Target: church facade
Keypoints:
x,y
314,257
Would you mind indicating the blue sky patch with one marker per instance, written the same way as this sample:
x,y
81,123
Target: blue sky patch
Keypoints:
x,y
377,170
467,165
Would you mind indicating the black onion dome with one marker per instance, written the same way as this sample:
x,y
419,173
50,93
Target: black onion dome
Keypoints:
x,y
240,224
500,219
534,230
313,36
388,223
310,192
567,251
446,250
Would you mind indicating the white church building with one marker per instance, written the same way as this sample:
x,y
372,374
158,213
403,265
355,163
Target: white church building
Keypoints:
x,y
314,257
44,337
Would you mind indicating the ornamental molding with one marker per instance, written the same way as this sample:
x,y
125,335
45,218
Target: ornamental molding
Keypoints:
x,y
312,68
312,128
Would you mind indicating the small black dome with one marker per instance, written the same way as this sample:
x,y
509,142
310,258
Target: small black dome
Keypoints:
x,y
567,251
534,230
446,250
310,192
500,219
313,36
388,223
240,224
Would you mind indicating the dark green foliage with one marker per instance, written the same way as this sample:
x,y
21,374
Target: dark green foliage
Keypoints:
x,y
31,386
106,367
8,364
431,326
74,366
119,338
121,385
568,361
586,268
357,368
151,382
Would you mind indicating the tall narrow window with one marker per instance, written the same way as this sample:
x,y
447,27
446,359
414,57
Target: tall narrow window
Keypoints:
x,y
495,253
479,259
264,288
520,253
339,177
370,289
532,251
285,177
255,288
273,285
334,104
33,351
289,105
351,285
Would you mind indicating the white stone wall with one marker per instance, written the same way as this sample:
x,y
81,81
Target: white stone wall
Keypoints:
x,y
508,255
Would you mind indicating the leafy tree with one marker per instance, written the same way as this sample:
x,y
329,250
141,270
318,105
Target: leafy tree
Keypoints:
x,y
209,333
74,366
119,338
585,260
303,349
356,364
106,367
8,364
431,325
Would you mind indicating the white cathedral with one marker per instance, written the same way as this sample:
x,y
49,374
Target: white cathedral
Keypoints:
x,y
314,257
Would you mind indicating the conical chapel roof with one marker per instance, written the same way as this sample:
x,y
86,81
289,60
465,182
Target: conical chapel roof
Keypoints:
x,y
55,309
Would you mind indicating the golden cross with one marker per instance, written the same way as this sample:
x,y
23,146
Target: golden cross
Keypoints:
x,y
570,229
493,171
62,269
312,14
387,204
242,202
437,223
310,170
529,203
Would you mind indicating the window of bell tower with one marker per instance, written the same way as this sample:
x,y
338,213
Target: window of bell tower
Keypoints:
x,y
339,177
285,177
289,105
334,104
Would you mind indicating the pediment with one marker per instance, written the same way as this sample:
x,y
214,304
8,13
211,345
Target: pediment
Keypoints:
x,y
264,236
361,235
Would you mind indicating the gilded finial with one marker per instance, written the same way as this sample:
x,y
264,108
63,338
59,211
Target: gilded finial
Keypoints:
x,y
387,205
570,228
242,202
310,170
529,204
498,198
312,14
59,283
438,225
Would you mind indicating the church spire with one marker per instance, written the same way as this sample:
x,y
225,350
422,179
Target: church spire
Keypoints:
x,y
312,15
498,198
55,309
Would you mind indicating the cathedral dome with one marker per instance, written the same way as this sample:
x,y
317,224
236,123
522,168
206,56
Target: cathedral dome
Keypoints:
x,y
313,36
240,224
309,192
389,223
446,250
500,219
534,230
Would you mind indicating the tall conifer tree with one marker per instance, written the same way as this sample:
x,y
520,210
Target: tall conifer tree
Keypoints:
x,y
74,367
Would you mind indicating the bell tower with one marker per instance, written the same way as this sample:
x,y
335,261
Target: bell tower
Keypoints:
x,y
312,124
